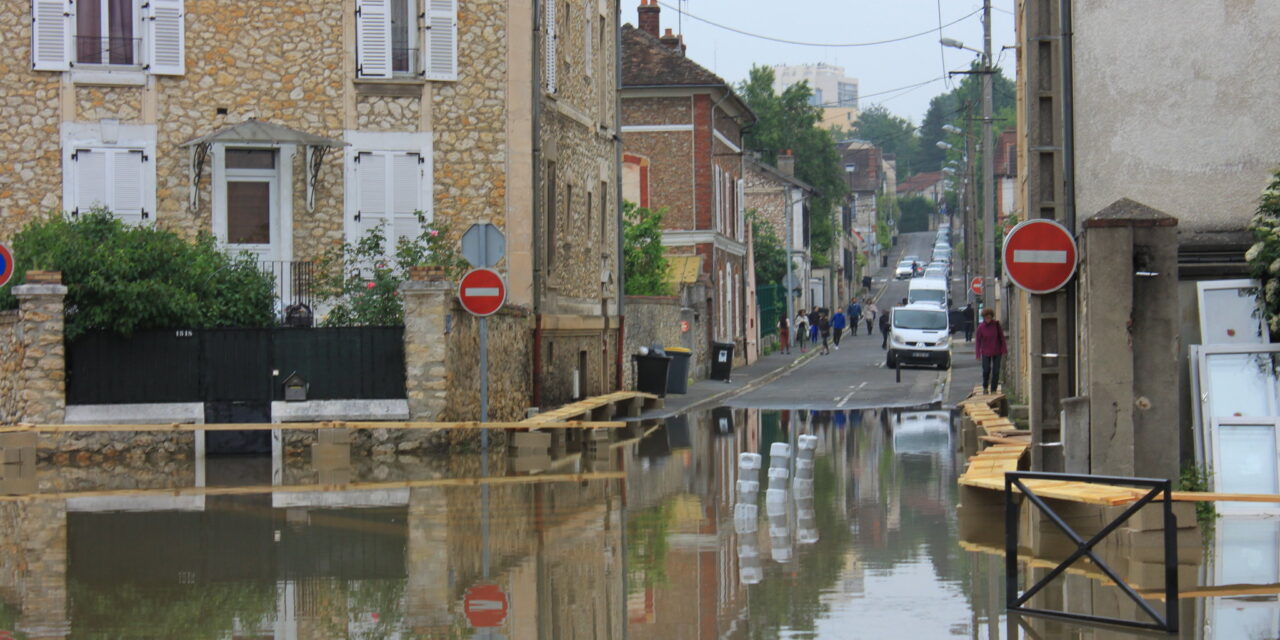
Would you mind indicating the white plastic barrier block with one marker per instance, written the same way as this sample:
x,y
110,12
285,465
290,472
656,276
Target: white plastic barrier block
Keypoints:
x,y
747,460
807,536
752,575
807,442
780,450
776,473
748,487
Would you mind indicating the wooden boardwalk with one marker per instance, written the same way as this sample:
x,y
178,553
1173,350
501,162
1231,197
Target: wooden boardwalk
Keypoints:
x,y
625,403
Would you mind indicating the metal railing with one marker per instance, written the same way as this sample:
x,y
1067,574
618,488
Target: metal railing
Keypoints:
x,y
108,50
295,283
1015,601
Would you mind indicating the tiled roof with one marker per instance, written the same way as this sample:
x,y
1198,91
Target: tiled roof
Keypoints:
x,y
920,182
646,62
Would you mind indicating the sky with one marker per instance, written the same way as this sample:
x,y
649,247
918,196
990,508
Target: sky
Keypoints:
x,y
880,69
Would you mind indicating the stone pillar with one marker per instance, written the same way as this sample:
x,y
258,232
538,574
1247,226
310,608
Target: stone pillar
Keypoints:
x,y
1129,340
428,593
42,396
426,305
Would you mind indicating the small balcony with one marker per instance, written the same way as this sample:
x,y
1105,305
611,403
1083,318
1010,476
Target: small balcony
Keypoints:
x,y
108,50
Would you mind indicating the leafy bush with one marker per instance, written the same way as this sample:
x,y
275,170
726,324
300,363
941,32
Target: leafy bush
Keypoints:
x,y
361,281
644,263
1264,256
767,251
124,278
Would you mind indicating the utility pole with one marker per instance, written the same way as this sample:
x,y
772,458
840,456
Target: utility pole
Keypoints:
x,y
988,166
970,210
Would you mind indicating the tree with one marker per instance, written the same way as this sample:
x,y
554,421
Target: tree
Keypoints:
x,y
916,211
124,278
769,255
644,263
1264,256
361,281
892,134
788,121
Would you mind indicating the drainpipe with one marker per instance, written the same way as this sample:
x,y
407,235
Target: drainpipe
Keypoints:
x,y
1068,174
620,276
538,274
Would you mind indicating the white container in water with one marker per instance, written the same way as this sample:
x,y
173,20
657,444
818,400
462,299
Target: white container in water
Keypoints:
x,y
748,487
803,488
748,551
807,536
807,443
751,575
749,461
779,450
804,468
782,554
743,511
779,473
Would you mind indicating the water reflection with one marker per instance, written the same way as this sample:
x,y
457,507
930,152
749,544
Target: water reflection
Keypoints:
x,y
722,524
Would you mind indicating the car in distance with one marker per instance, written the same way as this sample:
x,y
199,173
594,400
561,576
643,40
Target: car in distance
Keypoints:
x,y
919,334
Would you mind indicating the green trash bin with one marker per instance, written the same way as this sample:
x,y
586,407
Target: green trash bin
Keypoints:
x,y
678,375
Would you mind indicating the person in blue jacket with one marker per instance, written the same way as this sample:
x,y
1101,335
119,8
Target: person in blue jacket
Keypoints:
x,y
854,312
838,323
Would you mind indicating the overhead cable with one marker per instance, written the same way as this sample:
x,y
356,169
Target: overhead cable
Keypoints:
x,y
818,44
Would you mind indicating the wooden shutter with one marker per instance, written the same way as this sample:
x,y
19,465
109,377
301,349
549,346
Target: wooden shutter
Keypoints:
x,y
91,181
549,27
442,40
406,197
371,192
165,34
126,171
51,35
373,38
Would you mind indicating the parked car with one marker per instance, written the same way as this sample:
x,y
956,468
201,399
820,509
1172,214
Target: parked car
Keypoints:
x,y
903,271
928,291
919,334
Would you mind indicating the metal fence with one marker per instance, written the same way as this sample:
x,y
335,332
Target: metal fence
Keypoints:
x,y
772,299
219,365
295,283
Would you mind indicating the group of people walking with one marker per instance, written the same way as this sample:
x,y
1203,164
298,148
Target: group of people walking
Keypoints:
x,y
819,324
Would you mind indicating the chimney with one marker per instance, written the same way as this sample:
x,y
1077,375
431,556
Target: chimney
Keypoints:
x,y
649,11
787,163
672,41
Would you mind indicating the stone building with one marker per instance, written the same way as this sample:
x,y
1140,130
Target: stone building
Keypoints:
x,y
682,141
286,129
782,202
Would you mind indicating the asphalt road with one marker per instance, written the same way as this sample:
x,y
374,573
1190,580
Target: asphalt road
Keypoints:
x,y
854,377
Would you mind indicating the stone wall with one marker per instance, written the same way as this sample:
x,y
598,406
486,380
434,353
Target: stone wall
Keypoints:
x,y
33,386
510,364
652,320
767,196
10,366
31,163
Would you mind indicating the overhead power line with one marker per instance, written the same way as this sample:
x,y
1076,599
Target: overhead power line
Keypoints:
x,y
818,44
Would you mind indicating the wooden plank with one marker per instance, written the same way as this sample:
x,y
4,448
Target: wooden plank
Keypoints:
x,y
321,488
305,426
1198,496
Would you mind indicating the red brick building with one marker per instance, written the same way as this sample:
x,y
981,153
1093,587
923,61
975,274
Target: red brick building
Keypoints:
x,y
682,151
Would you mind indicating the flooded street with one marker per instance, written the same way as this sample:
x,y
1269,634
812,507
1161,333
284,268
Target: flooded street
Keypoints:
x,y
644,537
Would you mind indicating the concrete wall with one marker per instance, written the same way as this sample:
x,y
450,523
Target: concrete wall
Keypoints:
x,y
1176,109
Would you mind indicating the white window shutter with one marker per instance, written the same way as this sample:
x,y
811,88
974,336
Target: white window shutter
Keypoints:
x,y
373,38
406,194
550,28
127,186
50,35
741,197
442,40
91,186
166,38
589,39
371,192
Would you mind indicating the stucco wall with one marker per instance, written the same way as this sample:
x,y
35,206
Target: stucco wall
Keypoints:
x,y
1176,108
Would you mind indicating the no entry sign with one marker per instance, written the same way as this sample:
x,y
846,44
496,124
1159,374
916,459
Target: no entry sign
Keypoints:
x,y
482,292
6,265
1039,255
486,606
975,285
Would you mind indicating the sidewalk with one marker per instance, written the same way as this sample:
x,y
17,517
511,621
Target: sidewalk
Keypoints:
x,y
711,393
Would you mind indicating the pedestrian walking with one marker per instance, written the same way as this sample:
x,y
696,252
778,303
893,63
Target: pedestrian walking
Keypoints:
x,y
966,319
784,334
837,327
869,314
990,348
802,330
824,330
866,284
855,314
884,330
813,327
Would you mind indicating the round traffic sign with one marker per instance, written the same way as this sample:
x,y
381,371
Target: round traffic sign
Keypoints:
x,y
6,265
1039,255
975,285
486,605
482,292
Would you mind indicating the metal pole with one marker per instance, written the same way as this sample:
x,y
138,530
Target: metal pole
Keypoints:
x,y
484,441
789,214
988,164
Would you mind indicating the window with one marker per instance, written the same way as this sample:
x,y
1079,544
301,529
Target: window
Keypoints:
x,y
848,94
112,179
551,214
550,30
126,33
391,41
389,193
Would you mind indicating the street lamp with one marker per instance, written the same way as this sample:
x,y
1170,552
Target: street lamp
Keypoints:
x,y
944,145
951,128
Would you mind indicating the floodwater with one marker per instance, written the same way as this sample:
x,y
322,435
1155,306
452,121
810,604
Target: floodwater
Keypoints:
x,y
635,538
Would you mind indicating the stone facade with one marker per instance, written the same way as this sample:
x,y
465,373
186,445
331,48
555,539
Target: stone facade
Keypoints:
x,y
510,364
37,343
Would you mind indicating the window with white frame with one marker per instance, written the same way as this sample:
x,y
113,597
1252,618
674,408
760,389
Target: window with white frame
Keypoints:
x,y
550,30
109,166
146,35
407,38
388,178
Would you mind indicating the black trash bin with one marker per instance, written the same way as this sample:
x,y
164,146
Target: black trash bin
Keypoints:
x,y
721,360
651,373
678,374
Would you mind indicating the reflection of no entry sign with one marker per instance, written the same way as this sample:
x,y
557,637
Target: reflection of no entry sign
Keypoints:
x,y
6,265
482,292
486,606
1039,255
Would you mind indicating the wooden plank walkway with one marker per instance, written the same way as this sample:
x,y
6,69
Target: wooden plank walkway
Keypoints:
x,y
1006,450
626,403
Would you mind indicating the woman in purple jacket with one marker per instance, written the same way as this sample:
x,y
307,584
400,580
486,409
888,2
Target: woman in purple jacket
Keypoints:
x,y
990,347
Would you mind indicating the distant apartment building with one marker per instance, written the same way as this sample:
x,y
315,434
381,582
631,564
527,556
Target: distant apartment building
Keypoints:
x,y
831,87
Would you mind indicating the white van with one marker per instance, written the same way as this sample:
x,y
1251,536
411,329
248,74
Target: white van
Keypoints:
x,y
919,335
928,290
